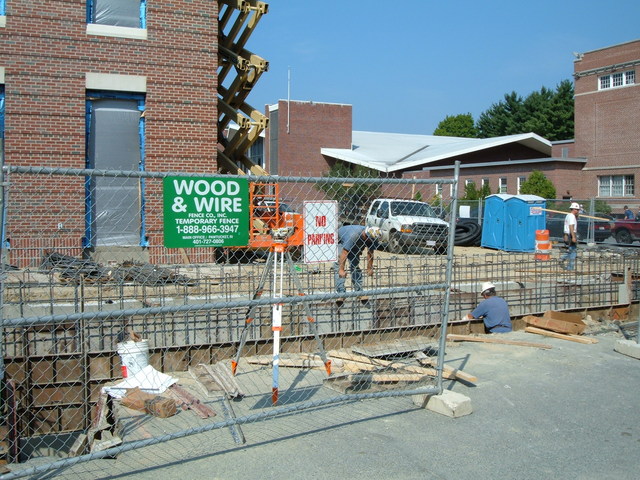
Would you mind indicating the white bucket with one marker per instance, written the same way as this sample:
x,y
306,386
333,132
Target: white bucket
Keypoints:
x,y
134,356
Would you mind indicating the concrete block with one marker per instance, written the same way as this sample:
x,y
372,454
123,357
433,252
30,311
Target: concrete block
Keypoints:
x,y
448,403
628,347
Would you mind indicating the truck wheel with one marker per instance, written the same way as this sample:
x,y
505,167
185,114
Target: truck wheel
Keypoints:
x,y
623,236
394,243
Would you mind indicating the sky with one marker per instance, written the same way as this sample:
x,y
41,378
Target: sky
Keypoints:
x,y
405,65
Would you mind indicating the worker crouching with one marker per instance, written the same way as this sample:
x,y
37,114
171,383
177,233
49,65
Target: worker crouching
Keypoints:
x,y
493,311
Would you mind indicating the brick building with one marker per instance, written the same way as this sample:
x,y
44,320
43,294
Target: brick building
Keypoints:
x,y
607,121
105,84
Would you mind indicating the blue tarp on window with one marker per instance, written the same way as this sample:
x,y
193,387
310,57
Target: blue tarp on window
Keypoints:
x,y
114,204
120,13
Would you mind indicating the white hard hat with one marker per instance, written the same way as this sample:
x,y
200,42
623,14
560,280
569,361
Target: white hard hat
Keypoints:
x,y
574,205
487,286
373,233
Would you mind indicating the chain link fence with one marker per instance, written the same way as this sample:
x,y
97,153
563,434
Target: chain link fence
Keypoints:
x,y
134,313
127,323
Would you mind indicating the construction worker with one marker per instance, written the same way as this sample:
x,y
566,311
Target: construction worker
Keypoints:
x,y
571,236
628,214
493,310
352,240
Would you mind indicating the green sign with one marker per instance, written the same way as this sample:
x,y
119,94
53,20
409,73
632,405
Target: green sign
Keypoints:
x,y
205,212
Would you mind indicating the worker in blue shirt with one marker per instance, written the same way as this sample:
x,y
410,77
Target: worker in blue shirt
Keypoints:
x,y
628,214
493,310
352,240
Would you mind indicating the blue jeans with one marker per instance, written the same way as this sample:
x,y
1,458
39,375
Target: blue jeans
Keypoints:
x,y
570,256
356,274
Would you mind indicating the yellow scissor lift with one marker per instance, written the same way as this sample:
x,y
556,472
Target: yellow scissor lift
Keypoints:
x,y
237,21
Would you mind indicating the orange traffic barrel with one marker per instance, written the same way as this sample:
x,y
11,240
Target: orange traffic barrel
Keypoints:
x,y
543,245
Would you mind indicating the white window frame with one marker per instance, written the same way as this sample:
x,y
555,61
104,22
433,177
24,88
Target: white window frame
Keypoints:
x,y
502,183
617,80
485,181
521,180
616,186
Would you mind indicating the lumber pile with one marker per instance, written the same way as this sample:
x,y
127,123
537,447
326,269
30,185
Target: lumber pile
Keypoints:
x,y
561,325
375,367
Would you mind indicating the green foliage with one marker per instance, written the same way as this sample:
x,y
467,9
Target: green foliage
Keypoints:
x,y
417,196
547,113
485,191
601,206
354,197
471,192
457,126
538,184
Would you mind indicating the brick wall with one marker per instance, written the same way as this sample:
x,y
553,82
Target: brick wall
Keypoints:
x,y
607,120
312,126
46,53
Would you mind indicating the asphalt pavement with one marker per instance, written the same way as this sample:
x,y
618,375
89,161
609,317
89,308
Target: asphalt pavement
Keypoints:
x,y
570,412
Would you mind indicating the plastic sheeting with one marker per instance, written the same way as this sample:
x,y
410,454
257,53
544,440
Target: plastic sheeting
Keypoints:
x,y
121,13
114,144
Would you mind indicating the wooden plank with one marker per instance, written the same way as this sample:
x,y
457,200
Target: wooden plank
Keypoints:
x,y
561,336
397,347
391,377
554,324
582,215
221,373
470,338
446,369
205,381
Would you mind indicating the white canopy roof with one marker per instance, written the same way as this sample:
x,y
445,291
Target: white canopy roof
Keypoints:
x,y
390,152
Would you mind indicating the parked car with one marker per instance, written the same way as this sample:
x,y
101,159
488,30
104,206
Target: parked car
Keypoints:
x,y
408,223
626,231
601,229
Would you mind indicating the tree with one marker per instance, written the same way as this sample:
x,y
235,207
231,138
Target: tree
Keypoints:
x,y
502,118
351,197
457,126
545,112
538,184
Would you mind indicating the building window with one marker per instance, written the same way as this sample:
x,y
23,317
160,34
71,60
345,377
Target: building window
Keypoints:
x,y
503,185
439,189
619,79
468,182
521,180
485,181
616,186
565,152
117,13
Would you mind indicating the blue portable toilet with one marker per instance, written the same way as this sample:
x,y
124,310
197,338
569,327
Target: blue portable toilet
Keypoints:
x,y
511,221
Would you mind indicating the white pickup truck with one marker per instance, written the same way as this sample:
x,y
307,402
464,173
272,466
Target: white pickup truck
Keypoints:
x,y
408,223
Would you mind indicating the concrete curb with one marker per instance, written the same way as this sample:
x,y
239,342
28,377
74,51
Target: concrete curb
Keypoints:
x,y
448,403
